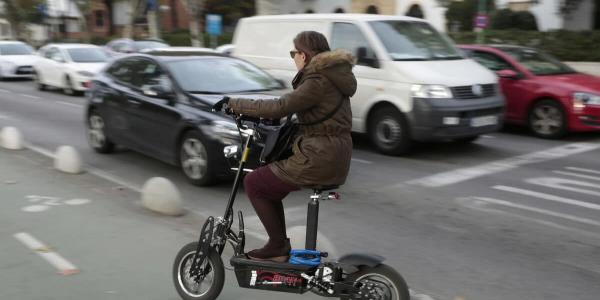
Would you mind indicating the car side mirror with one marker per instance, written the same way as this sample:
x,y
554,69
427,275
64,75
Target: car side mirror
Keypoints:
x,y
281,83
58,59
158,91
509,74
362,58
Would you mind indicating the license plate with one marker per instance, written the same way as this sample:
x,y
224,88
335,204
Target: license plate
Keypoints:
x,y
484,121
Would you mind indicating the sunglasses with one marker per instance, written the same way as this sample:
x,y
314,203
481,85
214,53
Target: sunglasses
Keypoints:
x,y
293,53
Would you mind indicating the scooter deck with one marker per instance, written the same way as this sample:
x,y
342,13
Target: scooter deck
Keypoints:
x,y
243,261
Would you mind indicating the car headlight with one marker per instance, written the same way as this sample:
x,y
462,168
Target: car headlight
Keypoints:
x,y
85,73
581,99
430,91
224,131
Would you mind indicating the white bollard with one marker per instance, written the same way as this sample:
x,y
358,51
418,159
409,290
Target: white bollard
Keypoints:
x,y
161,195
67,159
11,138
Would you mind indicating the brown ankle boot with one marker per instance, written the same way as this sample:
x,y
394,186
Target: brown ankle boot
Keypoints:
x,y
277,252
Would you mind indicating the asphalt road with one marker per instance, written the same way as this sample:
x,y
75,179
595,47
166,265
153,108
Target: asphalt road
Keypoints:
x,y
507,217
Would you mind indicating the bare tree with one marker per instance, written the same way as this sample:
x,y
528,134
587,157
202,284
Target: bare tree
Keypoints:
x,y
195,9
134,11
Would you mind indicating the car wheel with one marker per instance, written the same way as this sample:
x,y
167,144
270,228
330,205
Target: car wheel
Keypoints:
x,y
547,120
97,137
38,82
195,159
389,131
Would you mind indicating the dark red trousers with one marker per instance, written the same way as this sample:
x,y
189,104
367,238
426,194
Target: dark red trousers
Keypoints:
x,y
266,192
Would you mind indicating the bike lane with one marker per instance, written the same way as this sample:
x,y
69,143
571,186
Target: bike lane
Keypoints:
x,y
68,236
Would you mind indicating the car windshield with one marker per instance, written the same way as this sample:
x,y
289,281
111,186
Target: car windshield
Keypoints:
x,y
87,55
537,62
220,75
15,49
141,45
405,40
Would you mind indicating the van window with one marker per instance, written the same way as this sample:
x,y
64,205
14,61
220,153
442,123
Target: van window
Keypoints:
x,y
414,41
271,39
348,36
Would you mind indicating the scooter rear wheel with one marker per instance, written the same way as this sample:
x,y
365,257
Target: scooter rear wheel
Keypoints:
x,y
191,287
381,282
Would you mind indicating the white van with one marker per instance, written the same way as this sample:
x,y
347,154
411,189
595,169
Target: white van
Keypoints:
x,y
413,84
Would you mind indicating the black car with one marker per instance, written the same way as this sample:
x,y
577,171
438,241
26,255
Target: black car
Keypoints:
x,y
160,105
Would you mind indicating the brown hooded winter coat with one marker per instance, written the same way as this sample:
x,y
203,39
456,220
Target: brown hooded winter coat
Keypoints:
x,y
322,152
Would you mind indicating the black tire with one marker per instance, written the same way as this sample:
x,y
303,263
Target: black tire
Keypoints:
x,y
204,158
547,119
466,140
38,82
397,287
96,133
181,280
389,131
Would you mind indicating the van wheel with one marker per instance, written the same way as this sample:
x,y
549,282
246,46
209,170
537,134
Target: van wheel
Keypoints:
x,y
389,131
195,159
547,120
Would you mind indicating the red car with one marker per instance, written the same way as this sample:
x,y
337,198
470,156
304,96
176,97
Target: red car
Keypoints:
x,y
541,92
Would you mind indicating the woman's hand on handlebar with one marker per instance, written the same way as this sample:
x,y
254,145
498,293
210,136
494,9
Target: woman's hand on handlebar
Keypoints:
x,y
222,106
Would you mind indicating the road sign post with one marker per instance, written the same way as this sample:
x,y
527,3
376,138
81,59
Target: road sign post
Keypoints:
x,y
213,28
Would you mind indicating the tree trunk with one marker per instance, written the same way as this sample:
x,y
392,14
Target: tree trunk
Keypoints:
x,y
128,29
152,24
195,37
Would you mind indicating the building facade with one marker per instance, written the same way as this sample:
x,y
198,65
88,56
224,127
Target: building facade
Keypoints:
x,y
576,14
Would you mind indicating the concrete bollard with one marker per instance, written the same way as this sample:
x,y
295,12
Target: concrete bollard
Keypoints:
x,y
67,159
11,138
161,195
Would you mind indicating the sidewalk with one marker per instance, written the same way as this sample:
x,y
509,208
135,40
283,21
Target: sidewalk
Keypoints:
x,y
119,250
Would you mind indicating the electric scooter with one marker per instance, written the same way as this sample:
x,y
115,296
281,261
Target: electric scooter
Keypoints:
x,y
199,272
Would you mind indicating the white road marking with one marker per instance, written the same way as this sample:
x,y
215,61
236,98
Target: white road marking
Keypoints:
x,y
464,174
70,104
5,91
362,161
77,201
566,184
538,210
115,179
577,175
4,117
64,266
39,150
91,170
583,170
30,96
35,208
547,197
487,136
477,205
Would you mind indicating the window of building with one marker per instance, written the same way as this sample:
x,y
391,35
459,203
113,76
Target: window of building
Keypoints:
x,y
99,18
372,9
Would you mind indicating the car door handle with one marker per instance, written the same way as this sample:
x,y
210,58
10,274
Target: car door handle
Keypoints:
x,y
133,102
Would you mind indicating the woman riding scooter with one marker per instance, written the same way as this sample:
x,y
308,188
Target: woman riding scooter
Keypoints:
x,y
321,152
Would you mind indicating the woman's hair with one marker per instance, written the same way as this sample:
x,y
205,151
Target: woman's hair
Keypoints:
x,y
311,43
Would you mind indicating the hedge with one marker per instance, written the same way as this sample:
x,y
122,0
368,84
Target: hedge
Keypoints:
x,y
565,45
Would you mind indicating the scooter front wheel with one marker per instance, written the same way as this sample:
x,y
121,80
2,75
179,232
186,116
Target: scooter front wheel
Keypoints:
x,y
381,282
200,287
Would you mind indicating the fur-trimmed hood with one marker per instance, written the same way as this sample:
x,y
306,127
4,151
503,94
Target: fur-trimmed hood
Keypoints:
x,y
337,66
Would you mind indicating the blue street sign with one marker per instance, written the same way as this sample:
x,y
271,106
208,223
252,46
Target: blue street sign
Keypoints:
x,y
213,24
481,21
